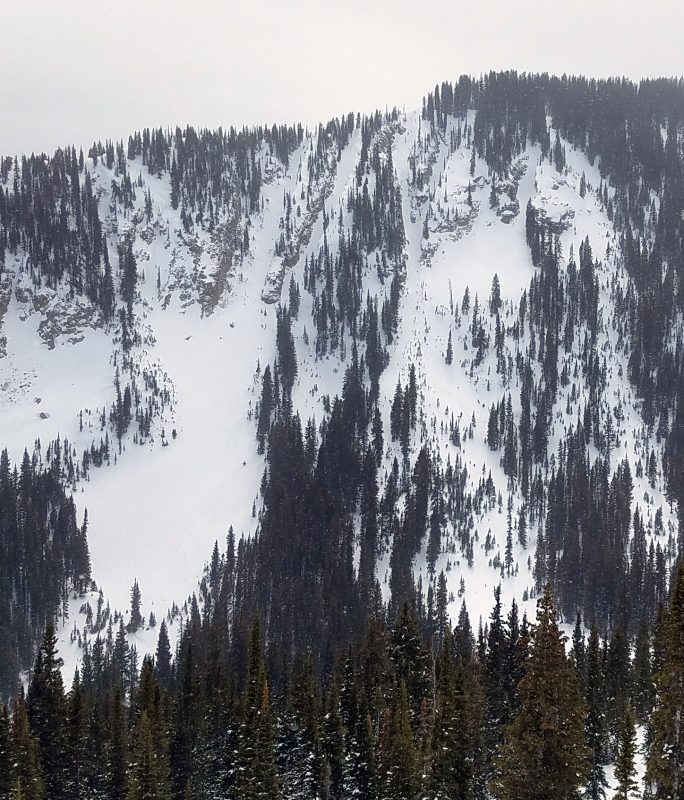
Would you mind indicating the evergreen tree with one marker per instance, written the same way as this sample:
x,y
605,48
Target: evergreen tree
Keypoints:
x,y
333,736
493,196
129,275
148,775
617,675
642,678
452,773
145,781
378,437
163,656
5,754
624,763
257,778
497,710
544,754
136,620
400,770
495,301
117,755
411,660
363,753
265,408
396,413
665,762
449,351
47,715
595,721
183,727
75,750
27,778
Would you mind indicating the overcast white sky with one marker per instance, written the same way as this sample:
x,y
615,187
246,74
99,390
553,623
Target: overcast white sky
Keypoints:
x,y
77,70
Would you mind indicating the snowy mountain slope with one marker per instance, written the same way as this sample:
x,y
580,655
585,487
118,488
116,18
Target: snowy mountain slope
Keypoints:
x,y
468,254
207,325
492,247
156,511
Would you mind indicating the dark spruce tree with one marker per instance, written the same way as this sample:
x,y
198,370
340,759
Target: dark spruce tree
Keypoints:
x,y
665,762
47,712
544,752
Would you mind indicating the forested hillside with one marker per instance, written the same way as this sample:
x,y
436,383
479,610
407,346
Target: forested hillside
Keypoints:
x,y
418,377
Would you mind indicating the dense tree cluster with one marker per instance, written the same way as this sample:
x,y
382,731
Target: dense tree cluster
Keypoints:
x,y
393,715
43,556
505,712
